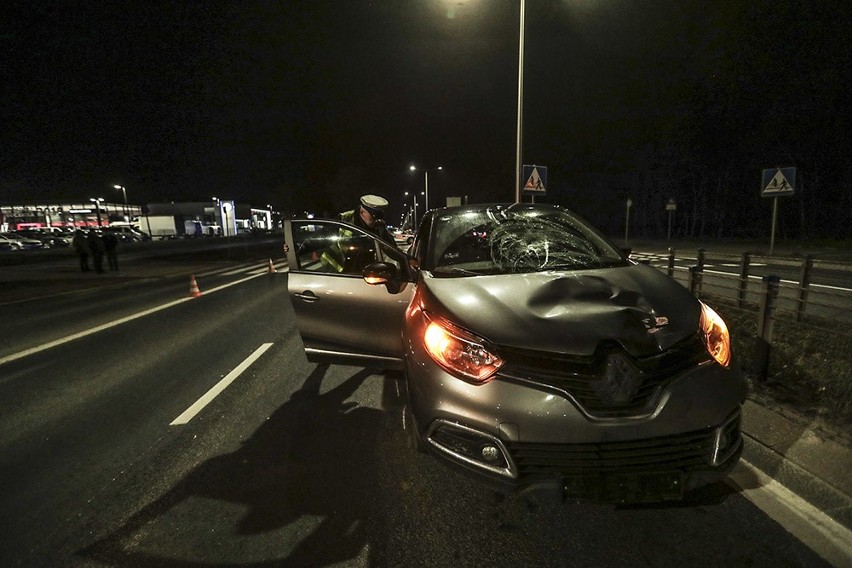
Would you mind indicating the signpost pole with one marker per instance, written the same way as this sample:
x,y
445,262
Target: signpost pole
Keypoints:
x,y
774,220
669,233
777,182
671,207
627,220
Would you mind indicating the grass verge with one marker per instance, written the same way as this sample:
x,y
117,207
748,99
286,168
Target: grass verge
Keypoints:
x,y
810,366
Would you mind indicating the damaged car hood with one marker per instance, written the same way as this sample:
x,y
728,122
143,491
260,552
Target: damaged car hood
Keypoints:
x,y
569,312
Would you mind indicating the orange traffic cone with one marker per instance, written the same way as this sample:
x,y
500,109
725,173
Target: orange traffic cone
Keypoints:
x,y
194,292
271,267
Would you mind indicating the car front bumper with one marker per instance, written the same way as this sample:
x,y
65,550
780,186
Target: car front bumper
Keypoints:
x,y
521,435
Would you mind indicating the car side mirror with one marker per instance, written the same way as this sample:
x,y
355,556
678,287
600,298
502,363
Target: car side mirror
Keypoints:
x,y
382,273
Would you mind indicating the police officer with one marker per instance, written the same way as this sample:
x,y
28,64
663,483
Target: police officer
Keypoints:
x,y
370,216
344,255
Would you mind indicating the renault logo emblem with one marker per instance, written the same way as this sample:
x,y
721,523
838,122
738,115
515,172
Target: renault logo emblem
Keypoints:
x,y
620,383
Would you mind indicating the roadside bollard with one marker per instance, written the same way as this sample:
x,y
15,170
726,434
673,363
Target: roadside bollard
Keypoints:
x,y
695,276
804,284
701,259
744,266
766,318
671,261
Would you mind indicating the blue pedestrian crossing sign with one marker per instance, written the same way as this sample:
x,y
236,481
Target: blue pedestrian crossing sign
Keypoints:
x,y
777,182
534,180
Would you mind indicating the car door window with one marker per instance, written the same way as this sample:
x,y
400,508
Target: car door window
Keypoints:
x,y
333,248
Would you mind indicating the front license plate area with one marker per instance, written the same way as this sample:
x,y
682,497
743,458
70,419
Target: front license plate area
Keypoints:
x,y
624,488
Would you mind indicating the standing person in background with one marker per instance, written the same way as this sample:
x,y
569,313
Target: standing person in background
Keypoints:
x,y
111,246
96,245
81,247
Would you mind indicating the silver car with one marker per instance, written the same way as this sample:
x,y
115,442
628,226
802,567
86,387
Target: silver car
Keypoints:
x,y
535,352
21,242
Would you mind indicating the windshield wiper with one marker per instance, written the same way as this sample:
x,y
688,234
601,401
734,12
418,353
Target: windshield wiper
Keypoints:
x,y
454,270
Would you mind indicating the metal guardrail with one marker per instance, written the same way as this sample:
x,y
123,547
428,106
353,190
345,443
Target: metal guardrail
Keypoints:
x,y
769,297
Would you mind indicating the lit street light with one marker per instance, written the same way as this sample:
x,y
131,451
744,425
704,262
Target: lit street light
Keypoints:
x,y
218,217
426,179
97,201
519,138
124,194
413,210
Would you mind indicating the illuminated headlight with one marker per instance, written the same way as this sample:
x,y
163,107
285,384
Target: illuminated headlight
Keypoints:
x,y
716,336
460,352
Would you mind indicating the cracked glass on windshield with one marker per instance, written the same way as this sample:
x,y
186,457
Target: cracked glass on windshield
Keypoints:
x,y
516,239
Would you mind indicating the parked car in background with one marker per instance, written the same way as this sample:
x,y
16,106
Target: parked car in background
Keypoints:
x,y
24,243
49,237
8,245
536,354
128,233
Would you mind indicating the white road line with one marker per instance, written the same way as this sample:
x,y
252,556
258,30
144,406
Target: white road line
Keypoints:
x,y
217,389
102,327
228,271
827,287
815,529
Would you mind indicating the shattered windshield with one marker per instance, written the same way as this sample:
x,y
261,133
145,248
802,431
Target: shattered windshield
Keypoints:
x,y
512,240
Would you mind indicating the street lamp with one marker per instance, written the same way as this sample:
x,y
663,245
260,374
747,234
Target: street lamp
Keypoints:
x,y
426,178
217,217
124,194
97,201
519,137
413,210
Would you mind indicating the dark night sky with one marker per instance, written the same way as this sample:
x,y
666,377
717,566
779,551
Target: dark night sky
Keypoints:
x,y
308,104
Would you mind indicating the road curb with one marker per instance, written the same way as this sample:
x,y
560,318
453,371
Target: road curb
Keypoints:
x,y
814,468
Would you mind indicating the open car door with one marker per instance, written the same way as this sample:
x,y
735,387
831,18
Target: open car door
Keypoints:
x,y
340,317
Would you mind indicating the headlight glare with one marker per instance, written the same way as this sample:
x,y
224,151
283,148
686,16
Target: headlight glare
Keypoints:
x,y
716,336
460,352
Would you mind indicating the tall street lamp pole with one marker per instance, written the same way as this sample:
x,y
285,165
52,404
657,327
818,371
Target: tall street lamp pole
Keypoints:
x,y
413,210
124,194
426,180
519,138
220,217
97,202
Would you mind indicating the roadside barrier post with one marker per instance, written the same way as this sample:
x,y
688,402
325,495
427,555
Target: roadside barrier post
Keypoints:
x,y
695,276
766,317
744,266
701,259
804,284
671,261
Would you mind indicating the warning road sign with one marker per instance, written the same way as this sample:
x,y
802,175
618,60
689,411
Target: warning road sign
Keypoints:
x,y
535,180
778,182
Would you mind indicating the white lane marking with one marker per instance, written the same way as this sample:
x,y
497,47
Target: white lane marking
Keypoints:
x,y
217,389
827,287
815,529
228,271
102,327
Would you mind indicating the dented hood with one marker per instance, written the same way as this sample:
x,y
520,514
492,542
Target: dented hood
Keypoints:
x,y
569,312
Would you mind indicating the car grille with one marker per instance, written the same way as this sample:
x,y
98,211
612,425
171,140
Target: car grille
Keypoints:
x,y
580,378
687,452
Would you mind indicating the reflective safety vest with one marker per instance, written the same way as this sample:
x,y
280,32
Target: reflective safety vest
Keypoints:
x,y
334,256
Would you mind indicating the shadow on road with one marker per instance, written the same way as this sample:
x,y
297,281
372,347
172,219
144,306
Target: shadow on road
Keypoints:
x,y
314,457
328,482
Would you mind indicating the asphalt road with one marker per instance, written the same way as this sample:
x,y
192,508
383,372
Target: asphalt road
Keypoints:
x,y
107,457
